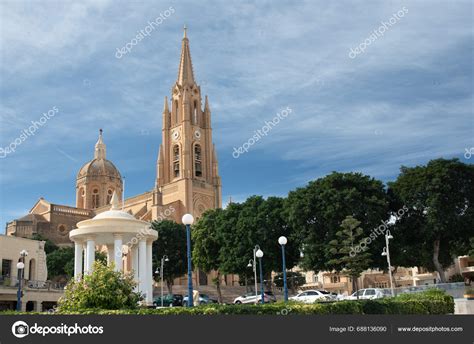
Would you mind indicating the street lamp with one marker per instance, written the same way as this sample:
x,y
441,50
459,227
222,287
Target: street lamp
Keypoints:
x,y
188,220
259,255
386,253
21,268
254,265
282,241
163,260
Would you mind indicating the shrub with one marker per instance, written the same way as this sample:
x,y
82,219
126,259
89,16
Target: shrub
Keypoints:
x,y
429,302
103,289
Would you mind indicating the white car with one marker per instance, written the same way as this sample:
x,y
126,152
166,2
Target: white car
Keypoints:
x,y
311,296
367,294
250,298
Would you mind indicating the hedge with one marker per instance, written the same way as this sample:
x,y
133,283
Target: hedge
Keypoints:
x,y
430,302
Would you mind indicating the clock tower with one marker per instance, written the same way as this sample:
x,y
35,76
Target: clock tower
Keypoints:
x,y
187,169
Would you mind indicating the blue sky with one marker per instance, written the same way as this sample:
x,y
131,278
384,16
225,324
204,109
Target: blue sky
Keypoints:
x,y
405,100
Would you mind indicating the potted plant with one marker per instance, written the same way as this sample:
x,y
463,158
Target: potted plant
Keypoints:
x,y
469,293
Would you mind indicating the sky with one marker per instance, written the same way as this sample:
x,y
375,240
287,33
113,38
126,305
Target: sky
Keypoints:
x,y
360,101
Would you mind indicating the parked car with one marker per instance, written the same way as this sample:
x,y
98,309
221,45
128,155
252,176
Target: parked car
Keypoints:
x,y
311,296
204,299
169,300
250,298
367,294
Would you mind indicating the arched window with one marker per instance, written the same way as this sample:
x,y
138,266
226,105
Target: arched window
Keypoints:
x,y
197,161
195,114
176,161
95,198
110,192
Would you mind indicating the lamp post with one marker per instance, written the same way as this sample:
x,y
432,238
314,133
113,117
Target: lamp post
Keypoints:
x,y
386,252
188,220
163,260
254,266
259,255
282,241
21,268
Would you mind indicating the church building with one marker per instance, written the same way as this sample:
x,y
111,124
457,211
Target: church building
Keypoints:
x,y
187,177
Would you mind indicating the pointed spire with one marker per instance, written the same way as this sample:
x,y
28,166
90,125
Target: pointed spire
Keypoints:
x,y
206,105
99,152
185,73
114,201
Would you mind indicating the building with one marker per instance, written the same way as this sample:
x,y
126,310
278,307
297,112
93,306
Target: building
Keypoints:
x,y
38,293
187,177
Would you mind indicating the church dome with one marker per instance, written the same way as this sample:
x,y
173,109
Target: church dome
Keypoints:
x,y
99,167
97,179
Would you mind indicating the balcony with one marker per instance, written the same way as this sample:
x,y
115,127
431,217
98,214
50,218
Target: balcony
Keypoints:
x,y
12,283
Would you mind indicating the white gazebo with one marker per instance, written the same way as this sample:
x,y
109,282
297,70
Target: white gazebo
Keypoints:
x,y
115,229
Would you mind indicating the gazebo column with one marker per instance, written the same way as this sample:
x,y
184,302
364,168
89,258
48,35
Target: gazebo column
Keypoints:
x,y
142,267
118,251
135,263
78,250
149,267
90,255
110,254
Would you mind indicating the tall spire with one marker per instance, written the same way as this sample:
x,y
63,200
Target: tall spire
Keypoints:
x,y
185,73
99,152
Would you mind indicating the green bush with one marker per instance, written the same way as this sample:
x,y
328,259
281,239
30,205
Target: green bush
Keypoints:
x,y
429,302
103,289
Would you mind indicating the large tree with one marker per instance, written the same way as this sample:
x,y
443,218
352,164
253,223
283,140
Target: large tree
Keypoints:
x,y
440,220
317,210
171,242
207,245
256,222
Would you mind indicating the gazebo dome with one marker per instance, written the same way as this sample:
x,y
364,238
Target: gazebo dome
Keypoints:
x,y
114,214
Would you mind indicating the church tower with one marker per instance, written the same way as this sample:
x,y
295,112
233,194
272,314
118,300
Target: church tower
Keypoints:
x,y
187,169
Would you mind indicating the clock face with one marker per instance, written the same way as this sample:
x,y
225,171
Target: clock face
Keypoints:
x,y
175,135
197,134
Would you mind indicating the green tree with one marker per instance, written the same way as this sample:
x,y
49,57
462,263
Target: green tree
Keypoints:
x,y
440,220
60,262
345,257
171,242
317,210
207,245
104,288
255,222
